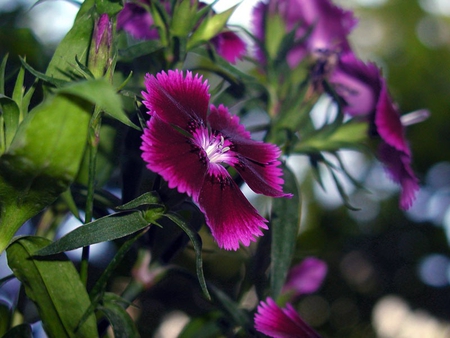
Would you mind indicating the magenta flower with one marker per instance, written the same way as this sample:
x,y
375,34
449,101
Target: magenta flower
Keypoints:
x,y
278,322
137,21
229,46
189,147
306,277
365,93
329,25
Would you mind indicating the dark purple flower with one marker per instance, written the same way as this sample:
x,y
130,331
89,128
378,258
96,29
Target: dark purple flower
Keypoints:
x,y
306,277
327,24
189,146
278,322
364,92
137,21
229,46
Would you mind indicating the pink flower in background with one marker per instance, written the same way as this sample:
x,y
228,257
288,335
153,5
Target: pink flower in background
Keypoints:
x,y
229,46
306,277
365,93
189,147
327,25
278,322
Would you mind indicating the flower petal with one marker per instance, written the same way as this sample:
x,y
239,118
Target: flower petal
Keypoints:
x,y
257,161
171,155
357,83
398,166
306,277
229,215
176,99
229,46
388,123
278,322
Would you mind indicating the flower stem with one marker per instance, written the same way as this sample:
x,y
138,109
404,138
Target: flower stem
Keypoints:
x,y
94,138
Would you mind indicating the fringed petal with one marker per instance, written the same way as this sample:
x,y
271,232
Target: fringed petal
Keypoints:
x,y
398,167
172,155
388,123
229,215
278,322
176,99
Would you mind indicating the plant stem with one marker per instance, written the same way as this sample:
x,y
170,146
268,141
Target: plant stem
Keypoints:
x,y
94,138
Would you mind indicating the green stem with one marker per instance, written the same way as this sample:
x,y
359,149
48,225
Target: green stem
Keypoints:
x,y
94,138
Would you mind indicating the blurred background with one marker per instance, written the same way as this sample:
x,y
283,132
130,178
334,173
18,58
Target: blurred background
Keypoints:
x,y
389,271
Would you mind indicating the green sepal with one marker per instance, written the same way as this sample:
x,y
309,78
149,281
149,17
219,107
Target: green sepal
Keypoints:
x,y
54,286
183,18
284,225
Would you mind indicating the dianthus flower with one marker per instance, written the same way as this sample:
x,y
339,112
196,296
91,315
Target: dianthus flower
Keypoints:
x,y
278,322
327,25
305,277
135,19
365,93
189,146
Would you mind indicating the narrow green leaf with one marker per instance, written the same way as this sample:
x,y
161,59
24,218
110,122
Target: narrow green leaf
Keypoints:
x,y
197,243
11,115
149,198
19,331
284,224
230,308
101,230
27,99
2,74
209,28
140,49
103,94
18,88
54,286
121,322
41,76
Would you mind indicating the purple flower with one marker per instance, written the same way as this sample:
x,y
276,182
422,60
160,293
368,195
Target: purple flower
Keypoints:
x,y
305,277
364,92
278,322
327,25
137,21
189,147
229,46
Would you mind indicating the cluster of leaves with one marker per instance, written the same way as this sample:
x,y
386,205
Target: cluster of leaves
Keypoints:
x,y
62,153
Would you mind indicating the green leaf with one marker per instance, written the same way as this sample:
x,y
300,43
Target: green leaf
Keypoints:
x,y
209,28
42,160
54,286
11,115
101,230
19,331
120,320
197,243
140,49
183,19
236,315
103,95
75,43
2,74
284,224
149,198
41,76
5,315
